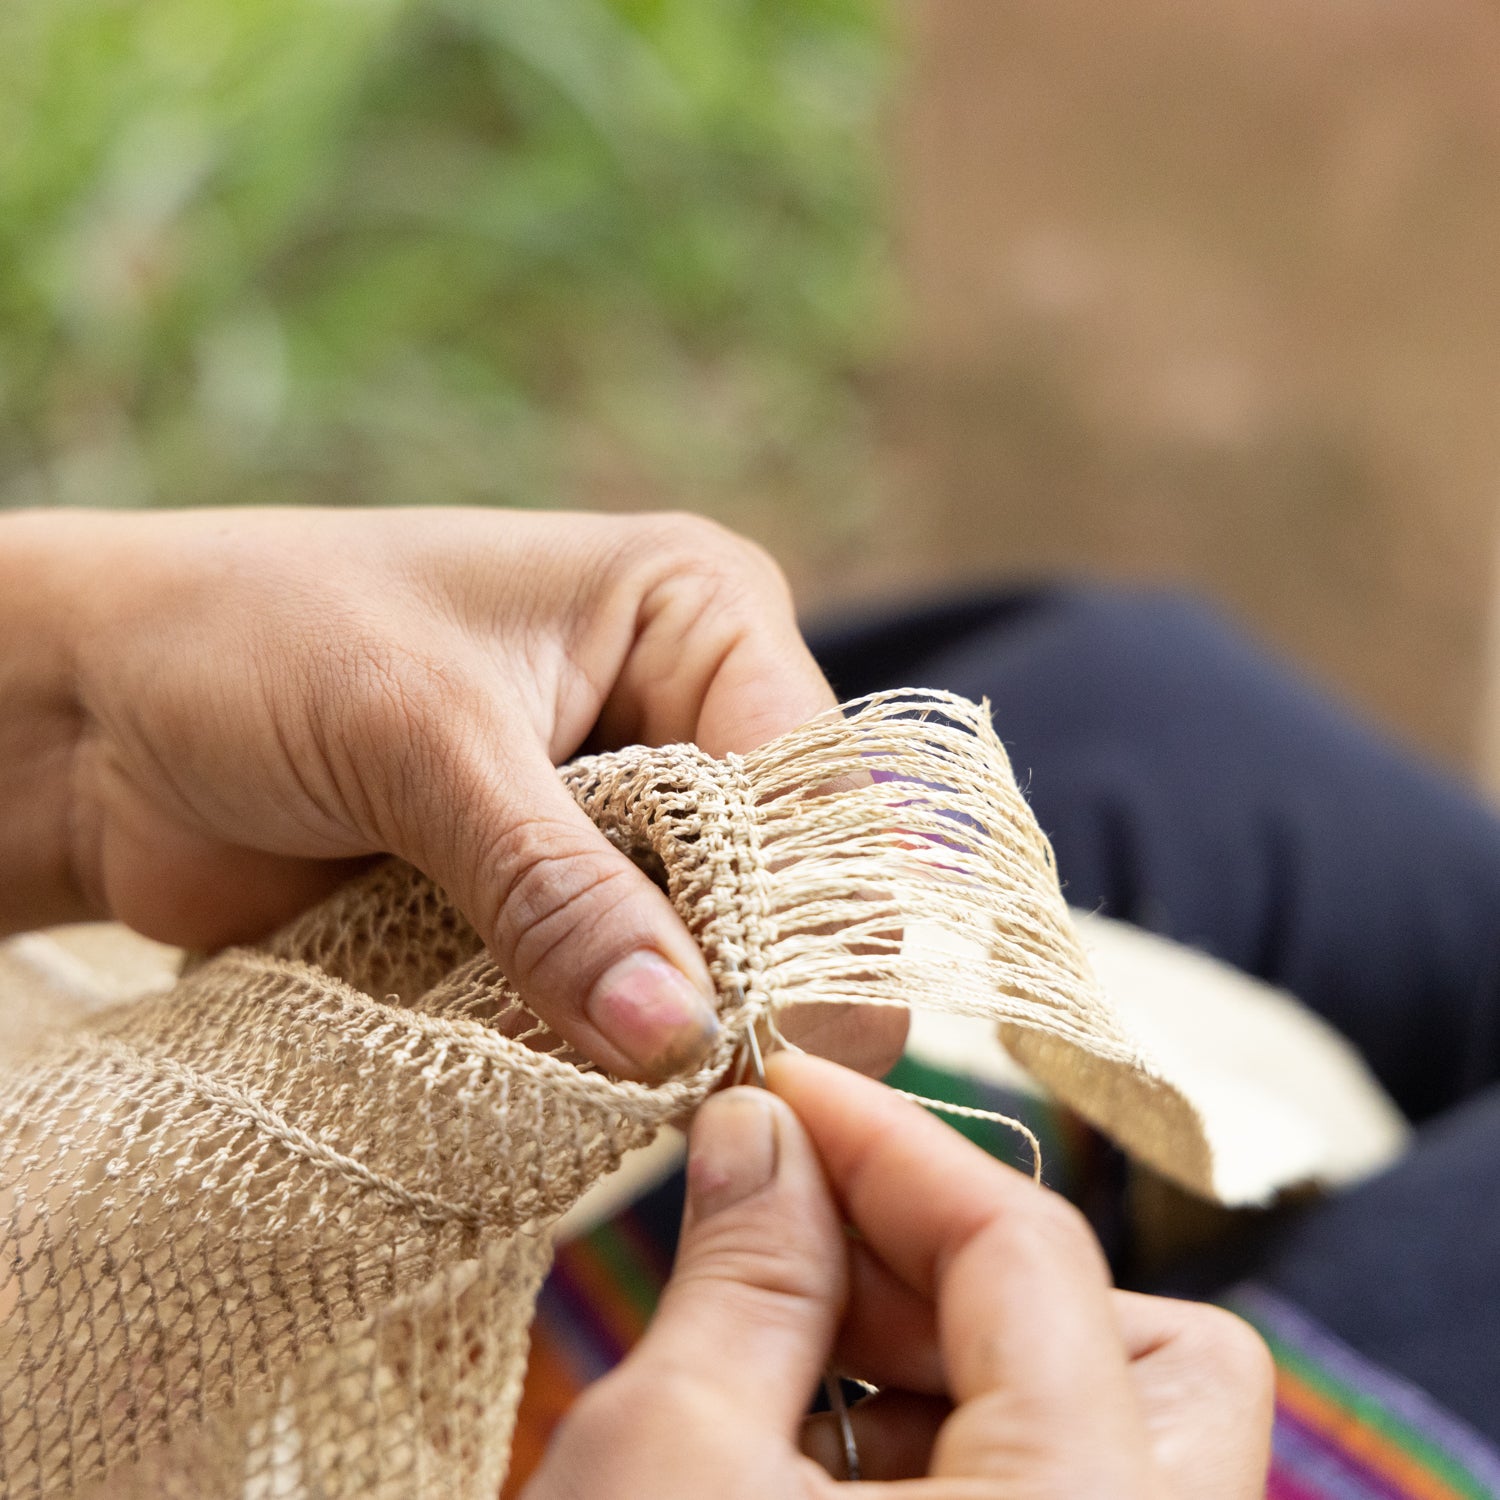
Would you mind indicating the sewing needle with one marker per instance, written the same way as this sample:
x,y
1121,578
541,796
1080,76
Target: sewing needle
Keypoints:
x,y
832,1386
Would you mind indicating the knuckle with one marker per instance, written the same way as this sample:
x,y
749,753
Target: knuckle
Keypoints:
x,y
1055,1219
780,1284
1041,1227
684,1396
687,533
615,1415
549,884
688,550
603,1414
1232,1354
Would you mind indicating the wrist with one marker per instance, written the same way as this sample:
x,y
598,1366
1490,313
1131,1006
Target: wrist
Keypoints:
x,y
42,558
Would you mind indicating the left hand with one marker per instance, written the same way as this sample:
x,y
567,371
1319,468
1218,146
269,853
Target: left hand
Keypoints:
x,y
208,719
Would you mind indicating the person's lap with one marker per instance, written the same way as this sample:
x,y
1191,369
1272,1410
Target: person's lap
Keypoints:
x,y
1192,785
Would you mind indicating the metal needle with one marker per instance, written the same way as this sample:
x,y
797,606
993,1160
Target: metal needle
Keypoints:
x,y
832,1385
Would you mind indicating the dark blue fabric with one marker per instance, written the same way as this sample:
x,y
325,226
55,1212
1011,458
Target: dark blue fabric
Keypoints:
x,y
1193,785
1406,1268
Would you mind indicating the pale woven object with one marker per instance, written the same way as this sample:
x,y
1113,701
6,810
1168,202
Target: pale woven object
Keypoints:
x,y
278,1232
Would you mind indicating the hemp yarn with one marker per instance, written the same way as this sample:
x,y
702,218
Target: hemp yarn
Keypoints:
x,y
278,1231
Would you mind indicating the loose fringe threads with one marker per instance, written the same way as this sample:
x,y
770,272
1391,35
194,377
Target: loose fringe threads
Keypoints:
x,y
893,861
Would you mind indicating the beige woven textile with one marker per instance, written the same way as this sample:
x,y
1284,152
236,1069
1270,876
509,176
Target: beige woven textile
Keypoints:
x,y
277,1232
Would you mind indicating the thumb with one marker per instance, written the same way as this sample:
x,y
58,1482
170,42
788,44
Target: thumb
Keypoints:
x,y
762,1269
594,947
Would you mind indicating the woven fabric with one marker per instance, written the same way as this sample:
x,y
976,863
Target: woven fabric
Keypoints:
x,y
1348,1430
278,1231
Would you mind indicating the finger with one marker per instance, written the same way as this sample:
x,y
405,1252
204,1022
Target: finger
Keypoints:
x,y
914,1188
592,944
717,657
1203,1378
767,684
181,886
760,1280
893,1431
1022,1291
868,1038
889,1335
1206,1387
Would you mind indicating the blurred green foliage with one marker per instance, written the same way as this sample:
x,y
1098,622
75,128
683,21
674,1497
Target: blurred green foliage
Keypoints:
x,y
373,251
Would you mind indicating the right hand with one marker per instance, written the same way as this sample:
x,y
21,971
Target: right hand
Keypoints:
x,y
980,1303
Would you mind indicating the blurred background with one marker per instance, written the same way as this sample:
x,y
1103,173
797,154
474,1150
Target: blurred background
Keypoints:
x,y
917,292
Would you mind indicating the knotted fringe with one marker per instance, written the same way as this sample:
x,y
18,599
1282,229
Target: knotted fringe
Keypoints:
x,y
278,1232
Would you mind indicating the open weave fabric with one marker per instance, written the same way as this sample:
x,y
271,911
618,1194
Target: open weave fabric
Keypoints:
x,y
278,1231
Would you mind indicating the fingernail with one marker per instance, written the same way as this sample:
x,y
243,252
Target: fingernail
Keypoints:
x,y
732,1150
654,1014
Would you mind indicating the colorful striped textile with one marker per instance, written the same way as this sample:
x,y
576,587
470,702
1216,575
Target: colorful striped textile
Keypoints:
x,y
1345,1430
1349,1430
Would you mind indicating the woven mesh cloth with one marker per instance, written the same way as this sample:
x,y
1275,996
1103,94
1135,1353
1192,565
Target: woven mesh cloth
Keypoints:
x,y
278,1231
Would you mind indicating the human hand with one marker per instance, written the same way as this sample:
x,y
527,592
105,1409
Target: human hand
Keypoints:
x,y
207,717
979,1302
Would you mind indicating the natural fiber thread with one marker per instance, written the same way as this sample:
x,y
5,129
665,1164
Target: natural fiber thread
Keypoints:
x,y
278,1232
993,1117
